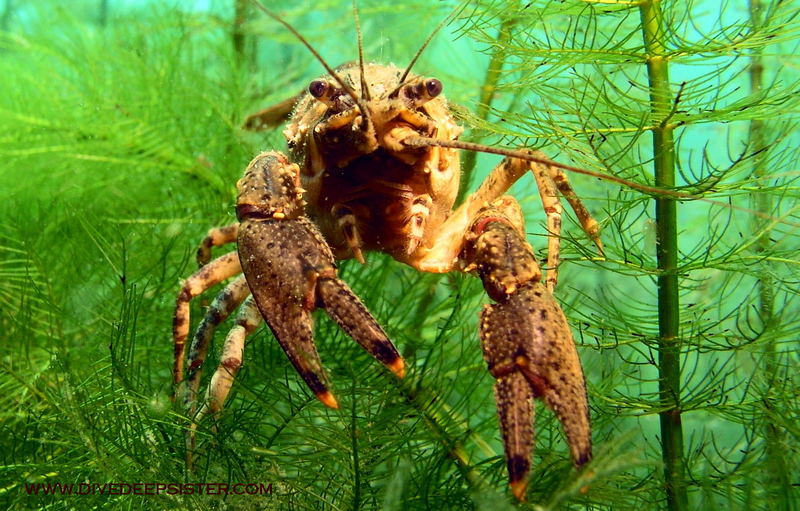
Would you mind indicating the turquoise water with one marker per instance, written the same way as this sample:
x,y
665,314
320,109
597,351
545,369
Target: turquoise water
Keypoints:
x,y
121,144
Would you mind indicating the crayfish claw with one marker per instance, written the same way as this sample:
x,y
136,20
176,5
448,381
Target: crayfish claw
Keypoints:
x,y
528,347
344,307
526,342
292,325
290,271
515,409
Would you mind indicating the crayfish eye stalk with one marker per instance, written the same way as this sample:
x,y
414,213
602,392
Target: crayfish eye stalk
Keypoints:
x,y
319,89
338,100
270,189
421,91
326,93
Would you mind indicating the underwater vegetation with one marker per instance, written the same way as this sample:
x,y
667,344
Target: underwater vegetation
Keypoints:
x,y
121,142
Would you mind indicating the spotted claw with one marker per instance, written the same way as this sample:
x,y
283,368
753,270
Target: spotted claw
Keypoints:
x,y
527,345
290,271
529,349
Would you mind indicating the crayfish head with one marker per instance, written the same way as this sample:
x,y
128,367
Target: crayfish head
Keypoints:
x,y
340,124
270,188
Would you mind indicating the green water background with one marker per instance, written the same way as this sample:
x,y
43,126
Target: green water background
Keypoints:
x,y
121,145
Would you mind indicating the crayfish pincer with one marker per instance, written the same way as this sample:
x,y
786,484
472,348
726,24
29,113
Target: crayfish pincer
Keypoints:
x,y
290,271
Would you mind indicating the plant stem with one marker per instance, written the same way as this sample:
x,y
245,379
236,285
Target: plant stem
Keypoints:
x,y
487,96
102,18
238,35
5,19
669,344
354,444
776,481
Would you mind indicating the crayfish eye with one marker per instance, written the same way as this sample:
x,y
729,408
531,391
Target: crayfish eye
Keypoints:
x,y
421,91
318,88
433,87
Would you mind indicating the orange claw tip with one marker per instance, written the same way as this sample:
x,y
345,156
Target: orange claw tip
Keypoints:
x,y
518,488
328,400
398,367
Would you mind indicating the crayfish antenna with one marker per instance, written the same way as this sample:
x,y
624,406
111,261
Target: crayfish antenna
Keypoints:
x,y
436,30
362,105
364,86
